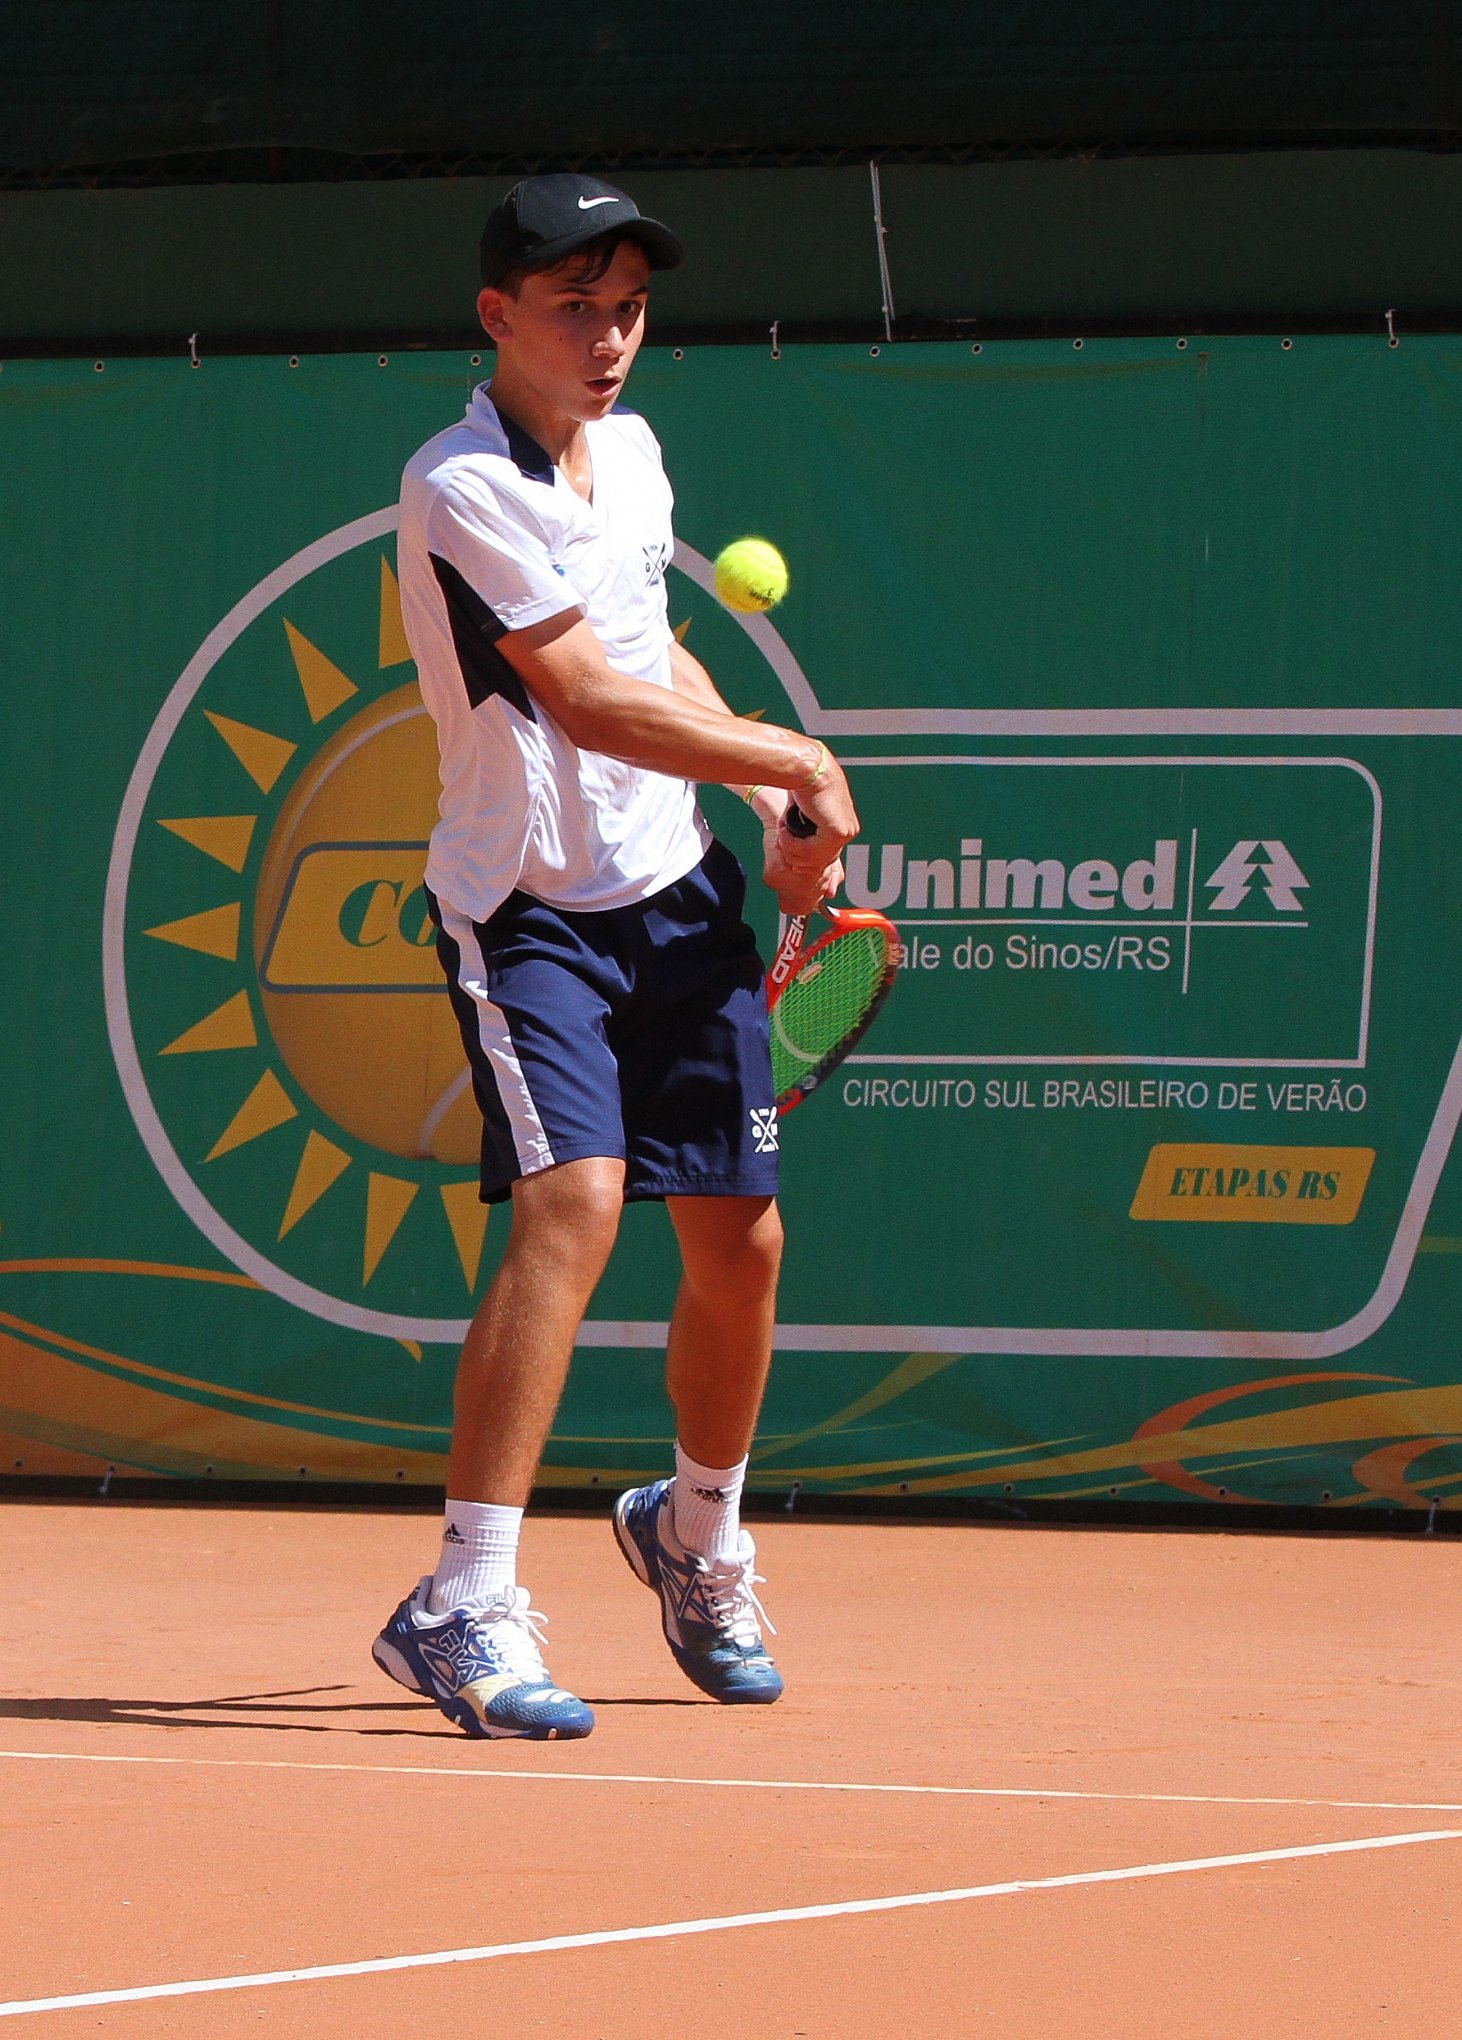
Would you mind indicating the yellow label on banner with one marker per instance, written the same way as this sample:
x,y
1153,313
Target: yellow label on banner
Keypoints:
x,y
354,917
1254,1185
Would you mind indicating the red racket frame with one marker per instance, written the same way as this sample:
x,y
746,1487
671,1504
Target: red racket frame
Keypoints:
x,y
793,957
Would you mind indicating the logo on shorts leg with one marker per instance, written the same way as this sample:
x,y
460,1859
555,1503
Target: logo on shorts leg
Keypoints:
x,y
764,1129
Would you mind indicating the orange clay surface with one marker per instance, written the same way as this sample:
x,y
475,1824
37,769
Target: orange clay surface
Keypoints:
x,y
269,1802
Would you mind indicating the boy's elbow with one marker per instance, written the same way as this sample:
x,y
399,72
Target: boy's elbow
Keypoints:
x,y
586,723
577,699
596,711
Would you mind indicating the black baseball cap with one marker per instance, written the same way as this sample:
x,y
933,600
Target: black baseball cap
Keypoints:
x,y
543,219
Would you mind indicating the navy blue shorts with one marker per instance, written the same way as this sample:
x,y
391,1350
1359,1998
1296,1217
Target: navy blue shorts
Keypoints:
x,y
638,1032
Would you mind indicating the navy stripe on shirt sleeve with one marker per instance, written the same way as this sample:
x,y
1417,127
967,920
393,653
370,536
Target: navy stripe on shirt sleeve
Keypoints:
x,y
475,631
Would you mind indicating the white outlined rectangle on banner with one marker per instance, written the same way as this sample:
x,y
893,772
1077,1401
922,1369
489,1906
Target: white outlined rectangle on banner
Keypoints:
x,y
1184,924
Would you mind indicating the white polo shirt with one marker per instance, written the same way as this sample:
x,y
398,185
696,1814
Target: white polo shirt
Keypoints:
x,y
492,539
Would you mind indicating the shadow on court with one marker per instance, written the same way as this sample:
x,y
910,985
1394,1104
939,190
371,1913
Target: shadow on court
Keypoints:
x,y
304,1705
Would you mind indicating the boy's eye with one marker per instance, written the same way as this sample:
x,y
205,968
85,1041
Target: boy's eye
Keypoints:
x,y
574,305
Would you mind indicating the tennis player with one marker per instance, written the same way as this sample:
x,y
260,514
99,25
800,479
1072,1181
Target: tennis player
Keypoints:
x,y
590,927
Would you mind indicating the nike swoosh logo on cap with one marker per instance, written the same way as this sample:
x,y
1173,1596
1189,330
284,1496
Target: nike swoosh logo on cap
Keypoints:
x,y
586,203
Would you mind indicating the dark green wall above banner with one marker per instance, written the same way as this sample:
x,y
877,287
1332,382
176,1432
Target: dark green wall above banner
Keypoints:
x,y
1150,243
1142,659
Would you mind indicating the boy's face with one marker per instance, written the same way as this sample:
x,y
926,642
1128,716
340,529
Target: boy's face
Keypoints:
x,y
570,340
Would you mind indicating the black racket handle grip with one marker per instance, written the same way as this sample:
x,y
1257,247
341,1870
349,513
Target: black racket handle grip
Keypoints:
x,y
796,822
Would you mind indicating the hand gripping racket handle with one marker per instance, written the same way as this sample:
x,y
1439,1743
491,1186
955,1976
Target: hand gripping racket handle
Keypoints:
x,y
794,935
795,932
794,927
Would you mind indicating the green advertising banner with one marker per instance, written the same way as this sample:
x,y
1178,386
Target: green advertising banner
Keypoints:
x,y
1143,657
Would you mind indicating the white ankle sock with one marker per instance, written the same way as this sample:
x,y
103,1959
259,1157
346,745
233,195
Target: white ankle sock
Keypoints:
x,y
479,1556
706,1506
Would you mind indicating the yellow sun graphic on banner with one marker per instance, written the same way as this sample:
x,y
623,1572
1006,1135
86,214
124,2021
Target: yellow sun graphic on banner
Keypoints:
x,y
331,1029
341,932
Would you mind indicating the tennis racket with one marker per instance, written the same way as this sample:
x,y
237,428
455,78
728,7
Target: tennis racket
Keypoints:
x,y
822,997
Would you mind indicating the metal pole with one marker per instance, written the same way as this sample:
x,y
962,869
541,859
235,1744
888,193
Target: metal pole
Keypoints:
x,y
881,234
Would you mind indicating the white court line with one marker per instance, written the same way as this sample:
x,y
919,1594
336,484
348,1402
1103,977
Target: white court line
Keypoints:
x,y
674,1929
741,1784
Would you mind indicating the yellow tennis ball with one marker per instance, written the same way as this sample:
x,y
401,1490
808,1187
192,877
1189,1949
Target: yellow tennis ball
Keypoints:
x,y
750,575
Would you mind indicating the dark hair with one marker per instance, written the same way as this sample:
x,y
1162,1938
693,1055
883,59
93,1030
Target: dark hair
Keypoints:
x,y
586,265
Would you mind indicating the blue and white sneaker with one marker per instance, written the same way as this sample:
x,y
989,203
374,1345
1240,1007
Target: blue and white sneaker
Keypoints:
x,y
708,1611
483,1667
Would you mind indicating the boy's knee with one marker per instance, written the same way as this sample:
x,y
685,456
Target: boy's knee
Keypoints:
x,y
579,1204
766,1238
743,1258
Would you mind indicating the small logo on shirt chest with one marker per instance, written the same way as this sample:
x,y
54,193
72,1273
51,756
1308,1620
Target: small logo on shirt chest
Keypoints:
x,y
657,559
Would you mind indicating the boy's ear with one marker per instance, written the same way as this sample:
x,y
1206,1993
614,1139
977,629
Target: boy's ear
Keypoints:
x,y
492,307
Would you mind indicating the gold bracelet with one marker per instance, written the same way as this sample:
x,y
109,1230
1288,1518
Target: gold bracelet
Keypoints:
x,y
749,794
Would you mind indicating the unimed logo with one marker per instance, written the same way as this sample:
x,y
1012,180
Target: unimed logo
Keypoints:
x,y
1170,909
978,882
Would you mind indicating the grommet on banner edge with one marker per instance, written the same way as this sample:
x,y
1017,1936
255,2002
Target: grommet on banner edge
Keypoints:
x,y
776,349
194,359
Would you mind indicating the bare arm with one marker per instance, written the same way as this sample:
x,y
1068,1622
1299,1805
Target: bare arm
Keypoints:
x,y
686,729
799,887
689,677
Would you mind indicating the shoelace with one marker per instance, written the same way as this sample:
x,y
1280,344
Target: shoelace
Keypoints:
x,y
730,1594
518,1634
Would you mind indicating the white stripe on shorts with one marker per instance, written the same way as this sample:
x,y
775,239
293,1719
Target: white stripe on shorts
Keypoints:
x,y
530,1142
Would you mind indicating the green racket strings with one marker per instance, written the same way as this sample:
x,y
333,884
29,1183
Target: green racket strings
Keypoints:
x,y
826,1001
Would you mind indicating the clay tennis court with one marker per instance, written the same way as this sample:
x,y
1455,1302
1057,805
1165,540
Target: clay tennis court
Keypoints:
x,y
1049,1781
